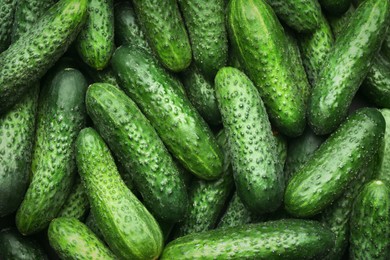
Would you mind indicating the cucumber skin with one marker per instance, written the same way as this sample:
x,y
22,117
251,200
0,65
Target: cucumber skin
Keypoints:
x,y
370,223
271,75
236,214
95,42
61,115
164,28
113,205
161,99
350,147
257,169
90,222
284,239
139,150
339,23
7,11
335,7
55,30
347,66
383,173
205,22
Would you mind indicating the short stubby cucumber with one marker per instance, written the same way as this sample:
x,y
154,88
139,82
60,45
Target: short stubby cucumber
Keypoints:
x,y
72,239
284,239
383,173
139,150
347,65
160,97
127,226
256,166
335,164
31,56
335,7
7,12
61,115
261,45
165,31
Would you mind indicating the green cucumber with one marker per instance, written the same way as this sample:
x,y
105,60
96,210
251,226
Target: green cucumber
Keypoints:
x,y
7,12
335,164
339,23
284,239
105,75
347,65
205,21
61,115
281,148
95,42
139,150
370,223
72,239
164,28
386,46
335,7
31,56
256,166
128,228
383,173
14,246
261,45
159,96
90,222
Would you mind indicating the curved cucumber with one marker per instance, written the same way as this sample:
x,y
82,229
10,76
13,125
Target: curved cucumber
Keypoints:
x,y
7,11
335,164
335,7
159,96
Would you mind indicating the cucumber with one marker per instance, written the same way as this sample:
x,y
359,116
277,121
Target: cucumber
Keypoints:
x,y
14,246
370,223
139,149
256,166
7,11
95,42
347,65
284,239
61,115
339,23
261,46
383,173
128,228
90,222
281,148
105,75
30,57
160,98
205,21
335,7
335,164
201,93
164,28
386,46
72,239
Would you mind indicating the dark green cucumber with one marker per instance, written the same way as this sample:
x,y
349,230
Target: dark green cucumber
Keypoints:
x,y
72,239
205,21
7,11
347,65
201,93
128,228
61,115
90,222
335,164
284,239
76,205
386,46
335,7
256,166
384,165
261,45
139,150
14,246
370,223
207,199
315,47
160,98
165,31
30,57
281,148
339,23
95,42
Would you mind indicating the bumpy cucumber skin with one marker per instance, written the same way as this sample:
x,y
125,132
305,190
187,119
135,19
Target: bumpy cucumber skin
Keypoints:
x,y
61,115
335,164
7,10
347,65
236,214
160,97
315,47
256,167
139,149
259,40
335,7
29,58
301,15
370,222
205,21
200,91
165,31
383,173
284,239
95,42
15,246
127,226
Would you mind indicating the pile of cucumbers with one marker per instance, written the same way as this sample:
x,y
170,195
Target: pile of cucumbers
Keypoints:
x,y
194,129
